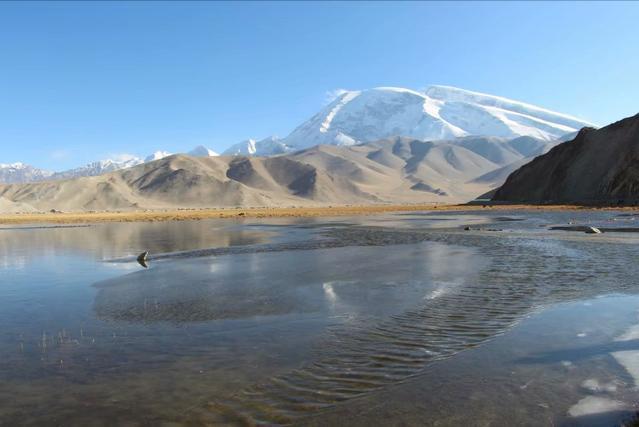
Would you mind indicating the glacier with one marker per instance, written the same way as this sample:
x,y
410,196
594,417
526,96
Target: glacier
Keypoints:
x,y
437,113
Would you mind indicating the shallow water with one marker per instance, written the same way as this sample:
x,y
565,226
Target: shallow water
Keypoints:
x,y
396,319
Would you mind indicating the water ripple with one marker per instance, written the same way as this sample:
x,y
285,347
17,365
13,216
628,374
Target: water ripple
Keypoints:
x,y
524,275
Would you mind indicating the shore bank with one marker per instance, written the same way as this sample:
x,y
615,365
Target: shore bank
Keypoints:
x,y
262,212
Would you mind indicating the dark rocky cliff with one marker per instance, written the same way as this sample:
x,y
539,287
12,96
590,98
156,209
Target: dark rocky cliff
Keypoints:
x,y
599,166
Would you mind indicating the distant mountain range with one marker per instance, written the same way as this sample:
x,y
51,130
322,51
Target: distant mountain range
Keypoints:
x,y
392,170
20,173
355,117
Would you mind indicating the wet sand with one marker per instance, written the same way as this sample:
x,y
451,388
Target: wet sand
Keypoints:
x,y
270,212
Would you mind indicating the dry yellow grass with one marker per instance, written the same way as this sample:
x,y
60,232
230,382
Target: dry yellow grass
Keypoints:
x,y
199,214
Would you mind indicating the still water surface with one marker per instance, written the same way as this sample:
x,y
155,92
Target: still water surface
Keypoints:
x,y
394,320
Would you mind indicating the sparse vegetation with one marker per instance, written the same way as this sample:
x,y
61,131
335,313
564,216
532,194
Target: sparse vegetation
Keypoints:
x,y
182,214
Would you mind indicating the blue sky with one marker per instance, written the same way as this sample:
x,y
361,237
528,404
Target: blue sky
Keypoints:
x,y
83,81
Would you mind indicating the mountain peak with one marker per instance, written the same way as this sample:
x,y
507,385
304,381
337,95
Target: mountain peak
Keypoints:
x,y
16,165
395,89
455,94
20,172
268,146
202,151
439,112
157,156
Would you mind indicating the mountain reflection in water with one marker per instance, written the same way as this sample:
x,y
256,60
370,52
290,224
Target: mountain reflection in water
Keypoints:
x,y
288,321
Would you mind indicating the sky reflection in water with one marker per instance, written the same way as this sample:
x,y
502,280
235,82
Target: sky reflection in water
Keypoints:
x,y
295,317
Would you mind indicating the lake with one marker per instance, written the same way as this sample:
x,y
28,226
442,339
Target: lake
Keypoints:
x,y
421,318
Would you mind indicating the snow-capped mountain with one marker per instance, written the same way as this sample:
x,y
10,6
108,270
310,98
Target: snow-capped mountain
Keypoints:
x,y
157,156
434,114
265,147
439,112
110,165
98,168
20,172
202,151
198,151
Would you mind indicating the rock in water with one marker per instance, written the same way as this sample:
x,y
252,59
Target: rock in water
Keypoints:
x,y
142,259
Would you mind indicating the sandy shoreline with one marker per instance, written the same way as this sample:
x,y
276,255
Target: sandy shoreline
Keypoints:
x,y
199,214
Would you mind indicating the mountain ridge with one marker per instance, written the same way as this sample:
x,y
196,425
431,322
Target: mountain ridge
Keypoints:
x,y
599,166
392,170
22,173
356,117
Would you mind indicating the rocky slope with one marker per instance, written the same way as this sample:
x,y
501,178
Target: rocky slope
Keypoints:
x,y
596,167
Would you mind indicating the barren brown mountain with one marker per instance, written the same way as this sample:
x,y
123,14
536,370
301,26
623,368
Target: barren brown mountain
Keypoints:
x,y
596,167
396,170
